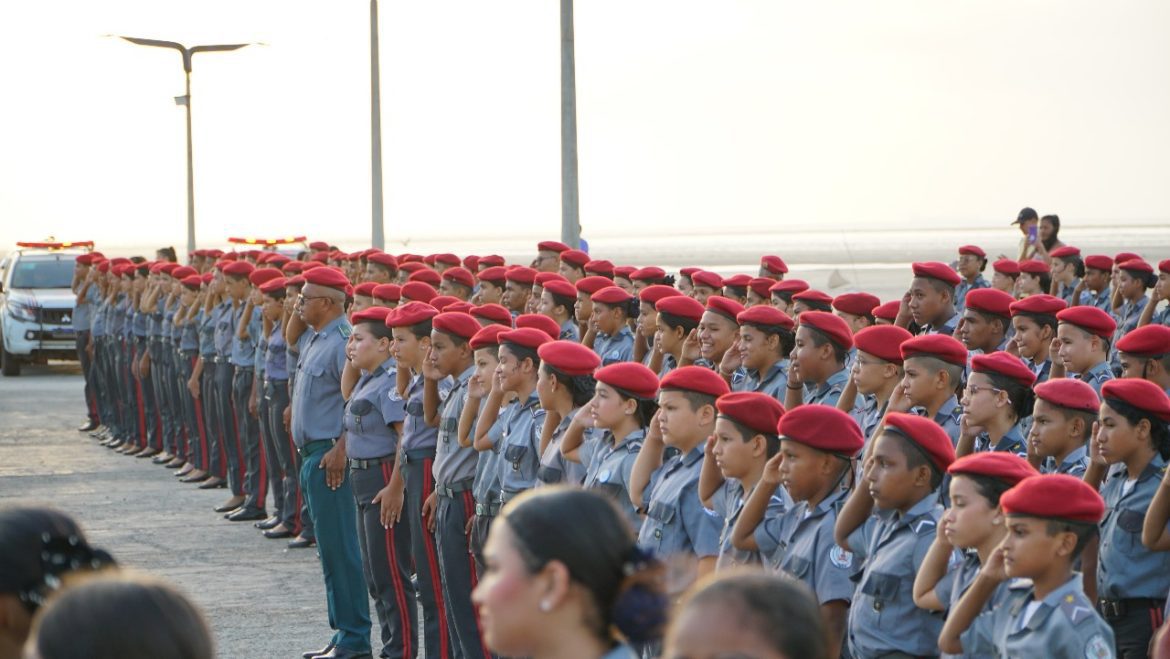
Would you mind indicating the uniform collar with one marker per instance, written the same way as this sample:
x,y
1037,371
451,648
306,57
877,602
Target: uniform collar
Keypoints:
x,y
919,509
465,375
1062,596
636,436
776,369
1076,456
947,410
333,324
1100,369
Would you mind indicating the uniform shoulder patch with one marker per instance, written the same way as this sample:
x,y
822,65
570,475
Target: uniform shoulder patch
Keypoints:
x,y
1075,609
840,558
1098,648
344,330
925,526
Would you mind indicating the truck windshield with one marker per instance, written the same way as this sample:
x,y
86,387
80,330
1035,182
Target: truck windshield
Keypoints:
x,y
49,271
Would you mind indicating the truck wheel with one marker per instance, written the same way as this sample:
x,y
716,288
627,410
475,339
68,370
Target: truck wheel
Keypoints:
x,y
9,365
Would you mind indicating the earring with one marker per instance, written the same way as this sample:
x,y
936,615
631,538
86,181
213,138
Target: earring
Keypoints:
x,y
545,606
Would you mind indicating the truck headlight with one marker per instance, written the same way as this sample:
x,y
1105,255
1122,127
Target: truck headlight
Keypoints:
x,y
22,311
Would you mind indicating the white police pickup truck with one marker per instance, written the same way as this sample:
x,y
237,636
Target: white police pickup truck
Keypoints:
x,y
36,304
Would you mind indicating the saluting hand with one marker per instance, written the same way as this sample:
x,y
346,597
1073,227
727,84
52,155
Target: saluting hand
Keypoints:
x,y
429,370
731,360
994,569
1094,445
899,401
771,473
690,350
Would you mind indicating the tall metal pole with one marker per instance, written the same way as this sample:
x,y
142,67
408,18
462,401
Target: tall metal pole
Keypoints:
x,y
190,160
377,237
570,215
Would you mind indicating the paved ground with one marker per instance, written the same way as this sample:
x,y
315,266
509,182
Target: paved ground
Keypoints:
x,y
261,599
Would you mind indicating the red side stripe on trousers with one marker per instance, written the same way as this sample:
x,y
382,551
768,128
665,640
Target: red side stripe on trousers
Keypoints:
x,y
469,512
433,562
399,596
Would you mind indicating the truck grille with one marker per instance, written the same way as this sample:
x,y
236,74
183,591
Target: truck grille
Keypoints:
x,y
56,316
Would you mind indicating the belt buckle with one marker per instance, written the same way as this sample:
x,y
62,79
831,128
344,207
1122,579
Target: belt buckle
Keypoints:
x,y
479,509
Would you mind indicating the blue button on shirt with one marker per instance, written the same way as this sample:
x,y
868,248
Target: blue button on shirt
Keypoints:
x,y
772,383
370,415
1102,300
317,405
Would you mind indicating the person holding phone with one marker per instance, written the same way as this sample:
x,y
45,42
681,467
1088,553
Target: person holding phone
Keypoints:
x,y
1029,223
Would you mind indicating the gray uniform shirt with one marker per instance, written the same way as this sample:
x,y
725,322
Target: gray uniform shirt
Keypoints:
x,y
317,405
800,543
616,348
453,463
676,522
1125,568
520,448
370,413
773,383
609,469
727,504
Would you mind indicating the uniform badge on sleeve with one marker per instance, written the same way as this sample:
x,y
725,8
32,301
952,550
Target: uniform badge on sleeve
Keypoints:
x,y
1098,648
840,558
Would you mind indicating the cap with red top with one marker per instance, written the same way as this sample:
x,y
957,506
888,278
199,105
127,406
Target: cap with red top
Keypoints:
x,y
858,304
939,346
495,274
681,306
1006,267
261,275
319,257
383,259
441,302
194,281
552,246
761,286
418,291
1142,394
1065,252
789,286
631,378
569,357
460,306
520,274
1125,256
168,268
935,270
649,273
371,315
575,257
456,324
471,262
310,265
460,276
1164,266
824,428
1008,468
973,250
448,259
738,281
599,267
883,341
365,289
774,264
390,292
272,285
832,326
1005,364
753,410
926,434
1099,262
652,294
708,279
429,259
763,314
1033,267
297,280
487,336
612,295
590,285
496,313
688,271
1136,265
491,261
539,322
1091,319
887,311
1071,393
695,379
1054,496
103,266
318,245
327,277
411,266
1040,304
543,278
427,276
183,271
811,296
1146,341
561,288
623,271
725,307
293,267
990,300
238,268
527,337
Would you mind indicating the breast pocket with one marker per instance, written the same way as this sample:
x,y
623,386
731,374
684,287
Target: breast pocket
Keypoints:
x,y
414,408
1129,531
662,516
359,409
549,475
520,462
882,592
799,567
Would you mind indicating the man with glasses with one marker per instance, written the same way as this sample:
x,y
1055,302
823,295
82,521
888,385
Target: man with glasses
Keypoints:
x,y
548,256
317,415
972,263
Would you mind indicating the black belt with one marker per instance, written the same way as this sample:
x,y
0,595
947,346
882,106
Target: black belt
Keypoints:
x,y
452,489
414,455
359,463
1115,609
188,353
311,446
276,381
245,369
219,360
487,509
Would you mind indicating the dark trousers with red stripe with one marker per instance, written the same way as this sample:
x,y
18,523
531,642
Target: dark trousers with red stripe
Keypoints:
x,y
416,474
271,464
225,413
457,568
197,447
386,563
248,427
288,499
88,371
211,424
149,422
1133,629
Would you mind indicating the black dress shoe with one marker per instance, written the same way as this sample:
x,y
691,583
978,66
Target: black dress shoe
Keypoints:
x,y
148,453
268,523
246,515
162,458
228,507
301,543
175,463
312,653
213,484
194,479
274,534
89,425
342,653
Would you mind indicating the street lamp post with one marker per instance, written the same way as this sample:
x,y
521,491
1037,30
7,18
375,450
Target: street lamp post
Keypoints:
x,y
185,100
570,213
377,237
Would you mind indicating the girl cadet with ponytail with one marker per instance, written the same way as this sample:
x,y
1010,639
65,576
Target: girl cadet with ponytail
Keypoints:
x,y
563,571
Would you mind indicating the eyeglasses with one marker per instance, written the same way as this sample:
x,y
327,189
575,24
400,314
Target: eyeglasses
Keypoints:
x,y
973,389
302,299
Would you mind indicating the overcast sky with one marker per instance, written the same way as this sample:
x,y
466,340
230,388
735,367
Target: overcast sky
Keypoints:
x,y
693,116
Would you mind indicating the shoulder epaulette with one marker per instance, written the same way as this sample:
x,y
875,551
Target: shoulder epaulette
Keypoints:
x,y
1076,609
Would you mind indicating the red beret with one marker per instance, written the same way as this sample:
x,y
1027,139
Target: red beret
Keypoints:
x,y
887,311
293,267
528,337
569,357
298,280
391,292
739,281
774,264
319,245
762,286
1099,262
459,275
1054,496
927,434
630,377
270,286
429,259
366,288
86,259
824,428
183,271
813,296
751,409
708,279
1005,364
441,302
681,306
590,285
649,273
725,307
495,274
539,322
551,246
1142,394
411,313
575,257
418,291
491,260
457,324
449,259
543,278
561,288
371,315
426,276
623,271
990,300
471,262
154,267
789,286
327,277
410,266
458,305
1146,341
521,275
488,336
973,250
1090,319
1125,256
936,270
939,346
696,379
1069,392
496,313
1164,266
194,281
1044,305
652,294
1137,265
1064,252
763,314
168,268
599,267
1006,467
1033,267
688,271
319,257
311,265
103,266
858,304
1006,267
883,341
612,295
238,268
384,259
830,325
